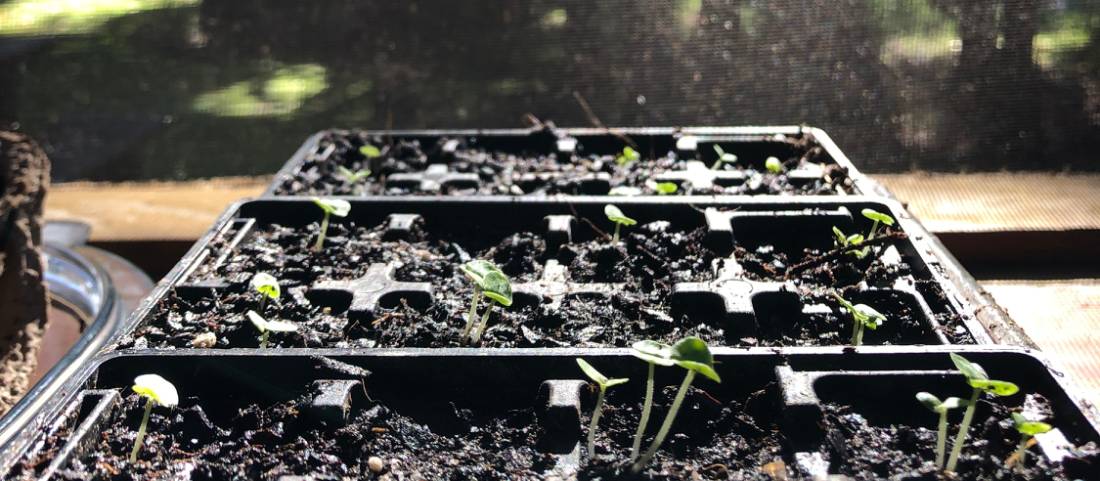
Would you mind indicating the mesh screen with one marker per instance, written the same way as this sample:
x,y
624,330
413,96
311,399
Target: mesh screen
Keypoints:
x,y
189,88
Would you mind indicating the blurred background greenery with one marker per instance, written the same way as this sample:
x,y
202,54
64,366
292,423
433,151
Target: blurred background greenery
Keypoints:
x,y
176,89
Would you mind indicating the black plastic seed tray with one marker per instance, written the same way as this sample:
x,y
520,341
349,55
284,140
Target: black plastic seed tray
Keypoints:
x,y
388,277
548,161
438,414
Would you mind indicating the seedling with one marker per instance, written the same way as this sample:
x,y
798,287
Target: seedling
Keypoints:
x,y
158,391
1027,430
330,207
352,176
773,165
604,383
934,404
723,158
615,215
665,188
980,382
627,156
369,151
266,327
493,284
850,241
863,317
654,354
692,354
879,218
268,287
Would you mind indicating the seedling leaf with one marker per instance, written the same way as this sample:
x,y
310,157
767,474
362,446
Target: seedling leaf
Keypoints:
x,y
627,156
598,377
654,352
999,388
954,403
264,325
336,207
615,215
1029,428
773,165
929,401
369,151
266,284
666,188
692,353
156,388
855,239
869,316
969,369
351,176
488,277
877,216
841,239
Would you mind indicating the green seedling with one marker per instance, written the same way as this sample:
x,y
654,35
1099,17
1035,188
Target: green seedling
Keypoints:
x,y
268,287
369,151
665,188
934,404
615,215
352,176
879,218
330,207
843,240
980,382
158,391
604,383
267,327
490,282
627,156
863,317
1027,429
654,354
692,354
723,158
773,165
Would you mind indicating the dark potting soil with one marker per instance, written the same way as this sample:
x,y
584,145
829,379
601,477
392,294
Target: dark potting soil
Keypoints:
x,y
265,442
643,270
731,440
502,173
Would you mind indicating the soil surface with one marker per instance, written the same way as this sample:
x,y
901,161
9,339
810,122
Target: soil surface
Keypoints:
x,y
642,270
266,442
713,438
503,173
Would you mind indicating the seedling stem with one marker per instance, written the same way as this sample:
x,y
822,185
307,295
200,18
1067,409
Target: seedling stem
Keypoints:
x,y
603,383
337,207
977,378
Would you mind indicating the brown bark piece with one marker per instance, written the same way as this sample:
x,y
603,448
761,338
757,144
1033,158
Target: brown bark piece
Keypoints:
x,y
24,178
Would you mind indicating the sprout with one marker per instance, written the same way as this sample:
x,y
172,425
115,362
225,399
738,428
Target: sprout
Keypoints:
x,y
665,188
692,354
627,156
878,217
266,327
863,316
979,380
1027,430
336,207
934,404
352,176
615,215
843,240
369,151
773,165
604,383
268,287
493,284
723,158
653,353
158,391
